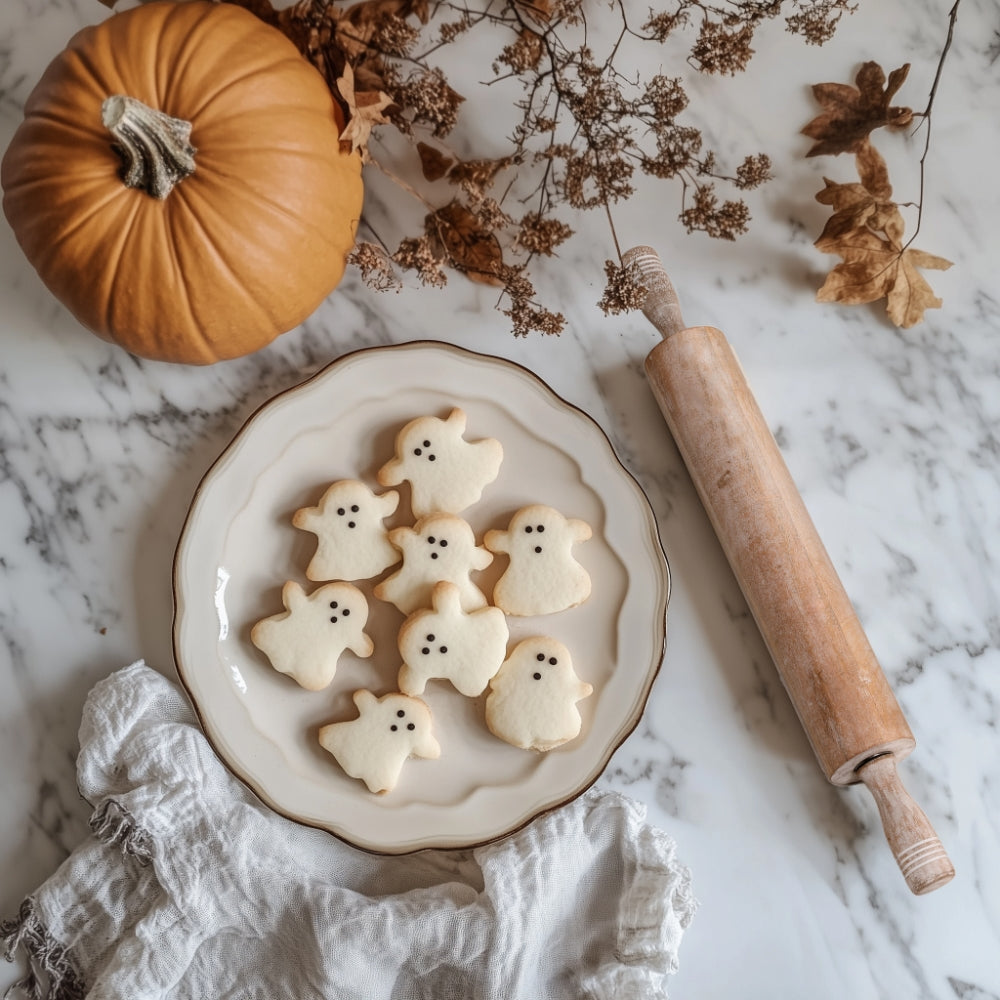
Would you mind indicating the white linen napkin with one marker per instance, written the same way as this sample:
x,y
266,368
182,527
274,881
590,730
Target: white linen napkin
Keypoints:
x,y
191,888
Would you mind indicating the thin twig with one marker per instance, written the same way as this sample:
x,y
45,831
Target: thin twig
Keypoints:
x,y
611,226
926,118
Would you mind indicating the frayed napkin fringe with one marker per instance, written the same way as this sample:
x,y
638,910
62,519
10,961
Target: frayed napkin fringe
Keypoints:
x,y
114,825
51,973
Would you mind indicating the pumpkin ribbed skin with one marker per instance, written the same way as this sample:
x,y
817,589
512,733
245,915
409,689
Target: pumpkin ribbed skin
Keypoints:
x,y
238,252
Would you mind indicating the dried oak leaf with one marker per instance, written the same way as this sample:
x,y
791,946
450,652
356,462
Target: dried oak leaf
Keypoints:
x,y
877,266
365,111
850,113
469,246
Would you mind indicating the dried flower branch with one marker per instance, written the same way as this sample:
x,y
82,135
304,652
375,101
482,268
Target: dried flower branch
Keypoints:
x,y
375,266
866,229
585,132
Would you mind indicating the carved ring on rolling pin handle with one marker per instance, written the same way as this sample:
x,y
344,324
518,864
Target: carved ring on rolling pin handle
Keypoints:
x,y
842,697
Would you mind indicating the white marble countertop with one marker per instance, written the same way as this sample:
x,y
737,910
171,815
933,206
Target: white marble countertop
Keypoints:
x,y
893,437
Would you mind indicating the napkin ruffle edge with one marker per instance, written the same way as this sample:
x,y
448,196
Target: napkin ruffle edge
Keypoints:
x,y
653,914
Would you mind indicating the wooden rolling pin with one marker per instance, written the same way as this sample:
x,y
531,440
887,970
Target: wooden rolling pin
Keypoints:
x,y
838,689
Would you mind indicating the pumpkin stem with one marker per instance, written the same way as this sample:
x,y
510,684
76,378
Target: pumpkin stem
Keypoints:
x,y
154,147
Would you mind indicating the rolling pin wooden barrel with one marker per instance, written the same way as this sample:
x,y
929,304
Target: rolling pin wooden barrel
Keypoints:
x,y
842,697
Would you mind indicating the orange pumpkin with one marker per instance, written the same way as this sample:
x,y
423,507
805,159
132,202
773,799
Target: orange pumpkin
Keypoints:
x,y
178,182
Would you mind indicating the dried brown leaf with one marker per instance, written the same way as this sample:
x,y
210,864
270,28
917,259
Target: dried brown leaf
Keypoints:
x,y
433,162
875,267
859,204
851,113
364,110
873,172
853,206
469,246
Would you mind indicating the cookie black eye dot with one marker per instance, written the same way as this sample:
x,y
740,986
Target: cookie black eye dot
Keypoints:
x,y
334,619
537,676
354,510
540,657
443,649
541,527
430,458
346,612
410,726
443,543
538,548
333,604
417,451
351,524
553,660
431,539
427,444
430,638
394,727
434,555
401,714
341,511
528,530
425,650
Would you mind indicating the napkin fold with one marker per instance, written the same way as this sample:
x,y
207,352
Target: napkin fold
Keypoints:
x,y
190,887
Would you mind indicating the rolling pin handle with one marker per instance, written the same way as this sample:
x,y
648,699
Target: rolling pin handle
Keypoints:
x,y
661,306
919,853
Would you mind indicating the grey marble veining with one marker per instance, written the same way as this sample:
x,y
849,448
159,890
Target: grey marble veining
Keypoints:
x,y
892,436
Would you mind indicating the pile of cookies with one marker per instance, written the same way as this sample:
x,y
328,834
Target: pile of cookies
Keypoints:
x,y
451,631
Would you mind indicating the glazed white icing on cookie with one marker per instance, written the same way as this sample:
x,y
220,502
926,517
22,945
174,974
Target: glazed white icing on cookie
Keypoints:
x,y
532,699
374,746
307,639
445,472
438,547
352,541
543,576
444,641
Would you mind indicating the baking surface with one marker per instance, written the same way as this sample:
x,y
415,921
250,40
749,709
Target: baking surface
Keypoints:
x,y
892,437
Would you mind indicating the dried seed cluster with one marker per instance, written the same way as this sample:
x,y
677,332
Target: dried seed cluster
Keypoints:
x,y
585,129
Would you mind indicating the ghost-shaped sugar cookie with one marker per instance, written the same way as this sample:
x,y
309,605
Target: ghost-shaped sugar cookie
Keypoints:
x,y
375,745
444,641
307,639
532,699
445,472
352,541
543,576
438,547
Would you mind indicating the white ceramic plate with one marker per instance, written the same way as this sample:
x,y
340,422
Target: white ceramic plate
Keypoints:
x,y
238,547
